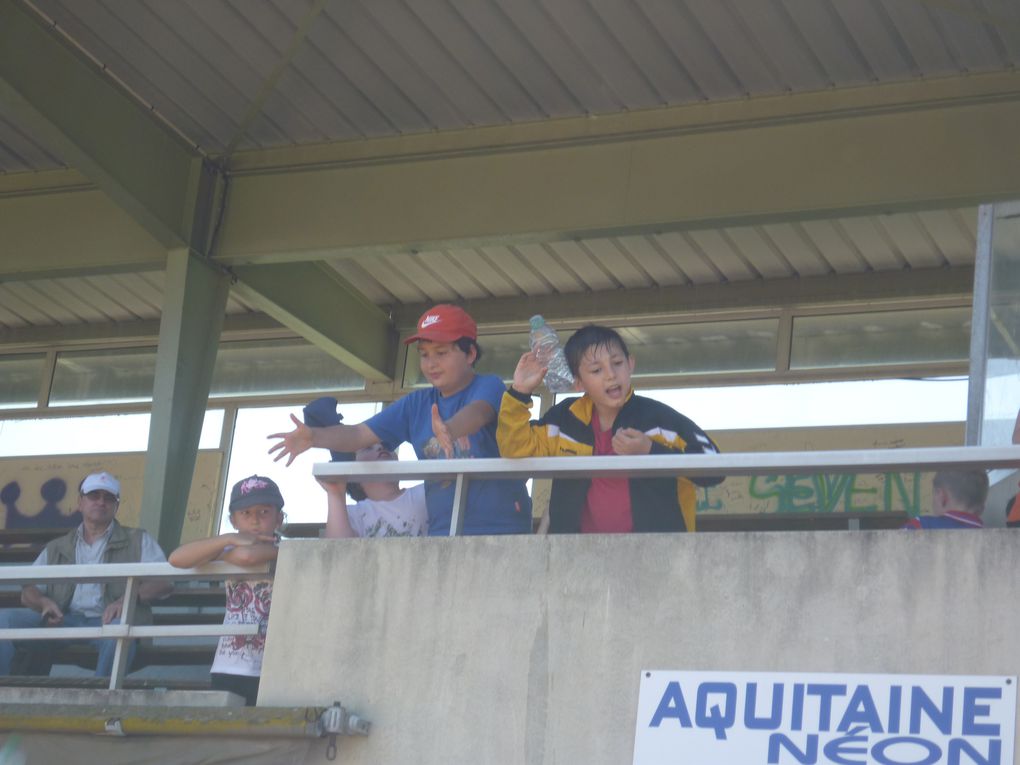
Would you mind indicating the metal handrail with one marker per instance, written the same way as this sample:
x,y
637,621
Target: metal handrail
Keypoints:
x,y
130,573
657,465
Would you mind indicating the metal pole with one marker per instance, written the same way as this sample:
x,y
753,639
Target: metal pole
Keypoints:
x,y
979,326
120,655
459,506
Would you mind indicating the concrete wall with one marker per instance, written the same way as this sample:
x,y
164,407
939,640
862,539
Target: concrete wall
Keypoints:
x,y
529,649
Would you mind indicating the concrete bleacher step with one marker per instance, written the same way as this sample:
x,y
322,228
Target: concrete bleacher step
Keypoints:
x,y
68,703
101,683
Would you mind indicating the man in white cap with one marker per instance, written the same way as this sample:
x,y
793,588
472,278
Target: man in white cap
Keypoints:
x,y
99,539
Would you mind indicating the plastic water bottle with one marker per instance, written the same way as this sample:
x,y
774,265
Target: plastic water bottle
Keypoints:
x,y
545,344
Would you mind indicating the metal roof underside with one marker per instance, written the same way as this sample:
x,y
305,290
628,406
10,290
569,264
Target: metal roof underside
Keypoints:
x,y
246,75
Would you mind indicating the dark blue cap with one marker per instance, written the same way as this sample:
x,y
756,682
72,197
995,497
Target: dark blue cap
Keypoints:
x,y
322,413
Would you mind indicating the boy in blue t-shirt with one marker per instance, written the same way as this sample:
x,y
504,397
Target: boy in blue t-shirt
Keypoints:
x,y
461,404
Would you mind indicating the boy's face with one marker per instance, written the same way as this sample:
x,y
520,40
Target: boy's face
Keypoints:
x,y
940,500
374,453
261,520
445,366
604,374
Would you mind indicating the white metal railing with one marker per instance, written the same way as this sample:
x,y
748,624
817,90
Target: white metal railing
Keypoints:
x,y
690,466
131,574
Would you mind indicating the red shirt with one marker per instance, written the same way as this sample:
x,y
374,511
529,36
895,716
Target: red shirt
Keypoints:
x,y
607,508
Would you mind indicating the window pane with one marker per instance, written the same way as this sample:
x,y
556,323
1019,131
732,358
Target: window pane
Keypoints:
x,y
703,348
102,434
810,405
1002,369
305,501
889,337
242,369
20,379
279,366
662,349
103,377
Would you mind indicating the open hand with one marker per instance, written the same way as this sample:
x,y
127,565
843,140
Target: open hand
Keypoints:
x,y
293,443
529,373
442,433
631,441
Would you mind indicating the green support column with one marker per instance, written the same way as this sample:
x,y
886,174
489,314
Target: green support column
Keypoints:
x,y
195,301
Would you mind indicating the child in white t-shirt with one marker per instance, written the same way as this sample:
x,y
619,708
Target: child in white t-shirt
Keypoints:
x,y
381,509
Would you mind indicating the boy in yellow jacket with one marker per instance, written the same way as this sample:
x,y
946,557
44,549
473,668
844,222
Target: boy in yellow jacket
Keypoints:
x,y
608,419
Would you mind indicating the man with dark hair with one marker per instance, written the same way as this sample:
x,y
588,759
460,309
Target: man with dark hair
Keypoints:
x,y
957,501
99,539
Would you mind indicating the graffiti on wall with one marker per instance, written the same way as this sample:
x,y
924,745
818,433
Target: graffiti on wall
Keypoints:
x,y
51,494
820,493
42,492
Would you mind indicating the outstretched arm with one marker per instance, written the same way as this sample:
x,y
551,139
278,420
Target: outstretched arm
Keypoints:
x,y
340,438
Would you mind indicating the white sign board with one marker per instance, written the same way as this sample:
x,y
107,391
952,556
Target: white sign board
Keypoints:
x,y
789,718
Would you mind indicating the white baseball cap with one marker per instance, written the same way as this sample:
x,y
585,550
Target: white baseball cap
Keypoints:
x,y
101,481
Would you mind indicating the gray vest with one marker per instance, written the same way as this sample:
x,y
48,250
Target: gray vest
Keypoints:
x,y
124,546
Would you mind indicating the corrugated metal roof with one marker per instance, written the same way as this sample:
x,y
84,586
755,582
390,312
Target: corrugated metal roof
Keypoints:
x,y
250,74
698,257
265,73
95,299
901,241
19,151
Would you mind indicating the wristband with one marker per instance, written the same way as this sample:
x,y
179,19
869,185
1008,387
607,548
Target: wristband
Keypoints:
x,y
522,397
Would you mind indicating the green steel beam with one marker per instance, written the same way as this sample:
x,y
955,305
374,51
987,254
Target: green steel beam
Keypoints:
x,y
70,106
861,151
753,113
920,145
316,302
70,232
193,309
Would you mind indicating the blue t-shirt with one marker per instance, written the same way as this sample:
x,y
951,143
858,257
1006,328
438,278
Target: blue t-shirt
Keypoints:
x,y
493,507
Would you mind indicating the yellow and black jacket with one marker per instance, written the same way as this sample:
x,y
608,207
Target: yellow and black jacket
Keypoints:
x,y
657,504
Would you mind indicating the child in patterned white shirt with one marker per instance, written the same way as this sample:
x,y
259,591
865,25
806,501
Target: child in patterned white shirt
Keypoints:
x,y
381,509
256,512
